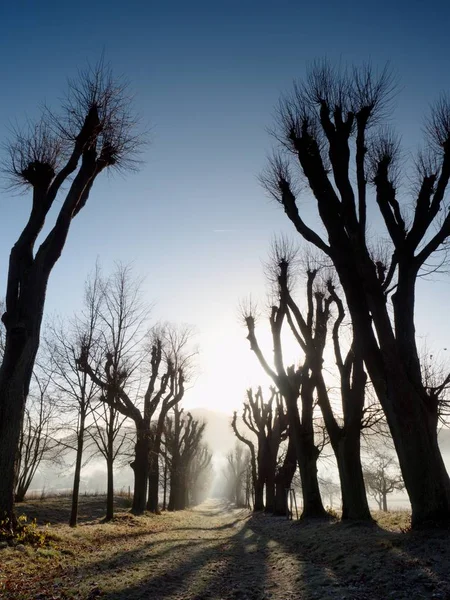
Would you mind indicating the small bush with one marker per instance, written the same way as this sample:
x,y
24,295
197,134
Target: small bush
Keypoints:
x,y
24,533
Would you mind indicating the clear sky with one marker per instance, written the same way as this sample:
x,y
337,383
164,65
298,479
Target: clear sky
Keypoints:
x,y
206,77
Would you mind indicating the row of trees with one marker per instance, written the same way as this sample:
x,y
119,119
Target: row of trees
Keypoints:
x,y
97,357
105,369
332,142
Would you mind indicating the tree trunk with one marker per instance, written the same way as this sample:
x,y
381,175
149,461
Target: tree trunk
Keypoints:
x,y
153,478
259,495
307,455
164,506
270,487
110,490
15,376
354,497
77,474
283,480
174,484
415,437
140,468
411,417
110,468
312,500
385,506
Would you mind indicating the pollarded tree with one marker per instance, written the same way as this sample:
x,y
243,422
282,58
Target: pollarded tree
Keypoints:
x,y
125,355
183,438
178,352
238,461
199,475
296,384
343,427
330,126
268,422
58,160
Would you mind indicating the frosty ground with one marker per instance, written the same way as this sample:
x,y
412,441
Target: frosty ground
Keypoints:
x,y
216,552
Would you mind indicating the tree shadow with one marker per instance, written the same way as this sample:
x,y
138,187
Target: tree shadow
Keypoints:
x,y
232,567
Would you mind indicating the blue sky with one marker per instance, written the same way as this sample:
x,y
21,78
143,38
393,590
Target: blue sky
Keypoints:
x,y
206,78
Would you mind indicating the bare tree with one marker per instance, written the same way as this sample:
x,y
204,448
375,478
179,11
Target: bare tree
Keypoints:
x,y
178,352
64,344
344,428
110,438
95,132
331,126
199,475
296,384
126,360
330,489
268,422
236,470
183,439
37,442
382,476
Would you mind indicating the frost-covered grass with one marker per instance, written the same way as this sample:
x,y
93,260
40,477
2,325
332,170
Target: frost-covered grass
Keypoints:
x,y
216,552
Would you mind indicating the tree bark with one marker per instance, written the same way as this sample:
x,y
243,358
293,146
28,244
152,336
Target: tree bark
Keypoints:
x,y
140,468
77,474
259,494
153,478
270,486
110,490
354,497
283,480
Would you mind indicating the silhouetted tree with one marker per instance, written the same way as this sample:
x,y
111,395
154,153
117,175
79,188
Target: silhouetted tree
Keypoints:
x,y
124,316
330,127
283,478
110,438
58,159
294,384
344,430
199,474
382,476
183,439
268,423
177,350
236,470
37,442
64,343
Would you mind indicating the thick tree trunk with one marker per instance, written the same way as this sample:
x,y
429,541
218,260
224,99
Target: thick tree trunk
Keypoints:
x,y
177,492
259,495
153,478
77,475
411,417
385,506
166,468
307,455
174,485
270,487
140,468
348,457
283,480
15,376
312,500
414,432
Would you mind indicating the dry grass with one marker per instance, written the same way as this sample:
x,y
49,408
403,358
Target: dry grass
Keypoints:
x,y
217,553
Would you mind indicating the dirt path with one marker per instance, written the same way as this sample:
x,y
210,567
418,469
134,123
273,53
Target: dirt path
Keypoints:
x,y
211,554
